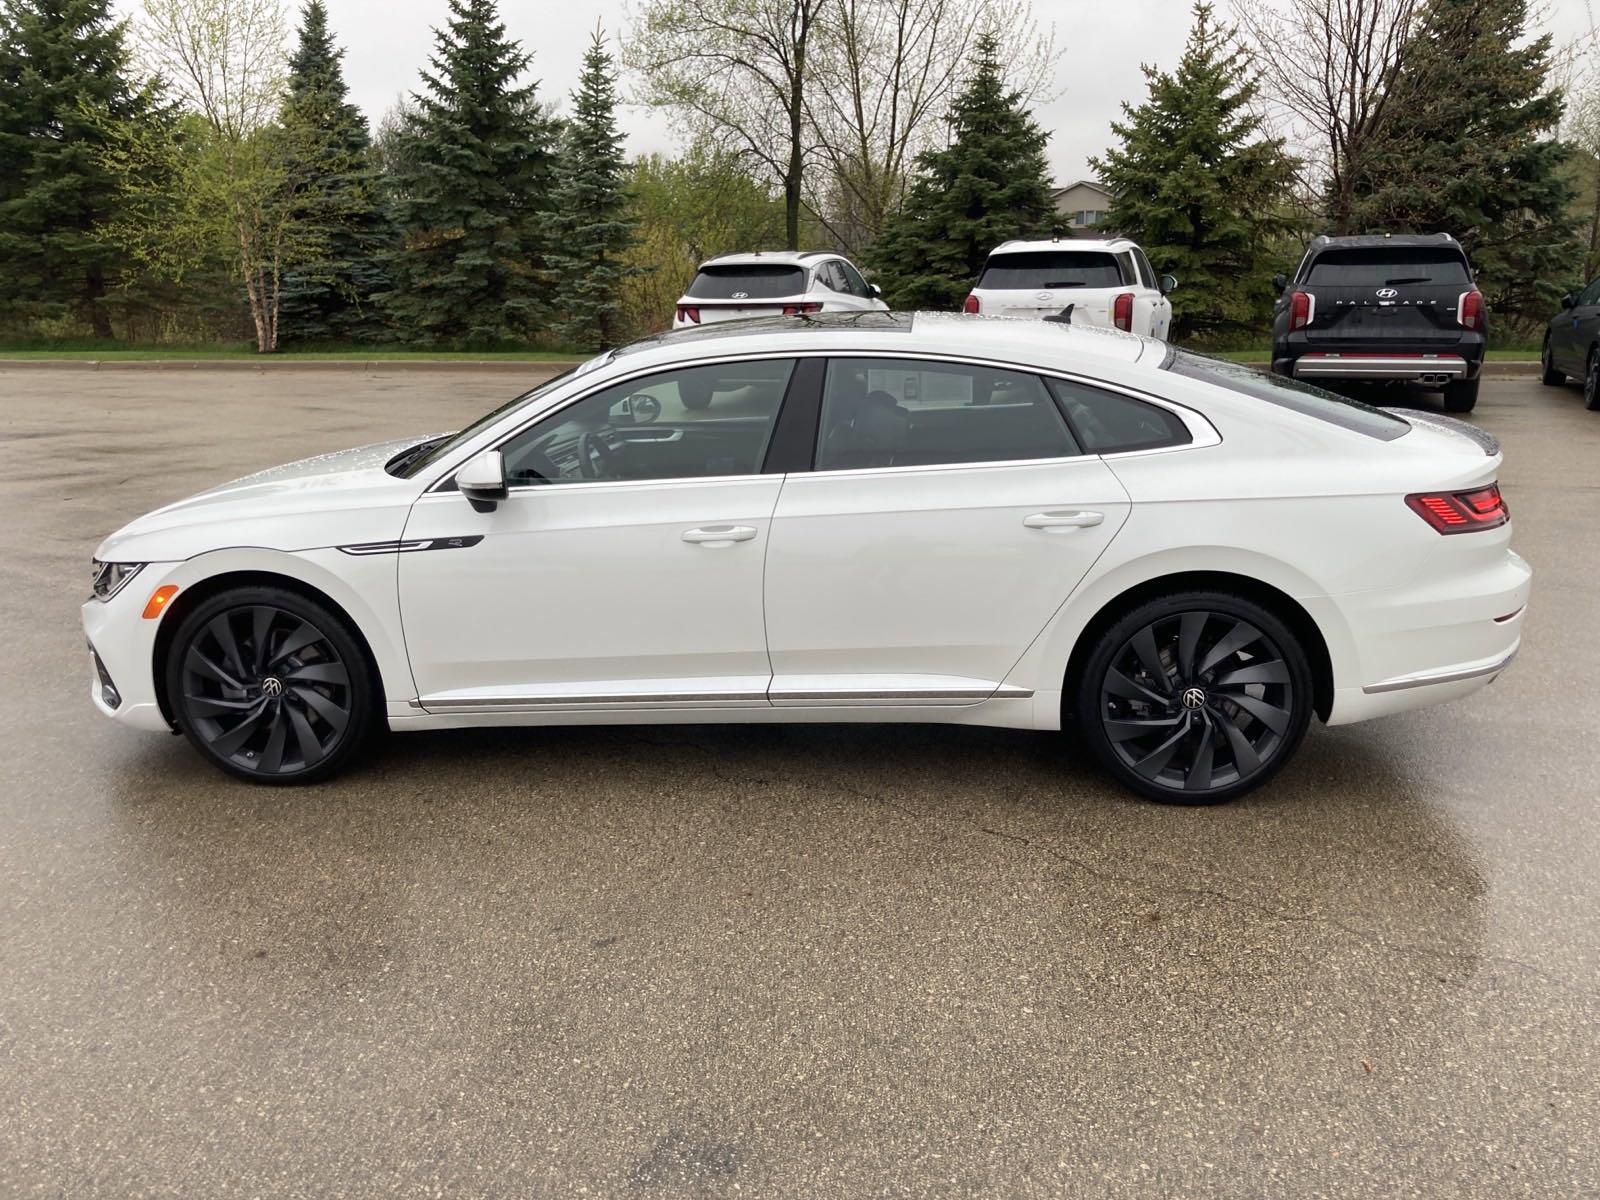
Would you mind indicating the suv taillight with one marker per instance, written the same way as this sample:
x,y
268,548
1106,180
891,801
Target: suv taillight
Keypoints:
x,y
1462,512
1469,310
1302,307
1122,311
795,310
970,304
689,312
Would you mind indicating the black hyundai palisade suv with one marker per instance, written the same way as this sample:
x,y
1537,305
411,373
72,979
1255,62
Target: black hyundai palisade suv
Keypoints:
x,y
1383,307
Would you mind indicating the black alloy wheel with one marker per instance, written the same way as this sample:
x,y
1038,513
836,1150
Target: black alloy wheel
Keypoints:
x,y
1197,698
270,686
1591,382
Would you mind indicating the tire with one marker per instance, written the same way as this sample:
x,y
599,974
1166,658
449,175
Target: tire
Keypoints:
x,y
1550,377
271,686
1461,396
1591,382
1158,669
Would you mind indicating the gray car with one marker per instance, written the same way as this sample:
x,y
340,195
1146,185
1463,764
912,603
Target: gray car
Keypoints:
x,y
1572,344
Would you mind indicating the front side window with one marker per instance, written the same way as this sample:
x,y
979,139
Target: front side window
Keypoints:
x,y
1032,269
853,281
1111,423
907,413
1147,275
680,424
1591,294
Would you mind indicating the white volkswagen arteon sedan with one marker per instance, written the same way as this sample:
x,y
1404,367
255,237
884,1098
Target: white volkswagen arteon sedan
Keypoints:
x,y
885,517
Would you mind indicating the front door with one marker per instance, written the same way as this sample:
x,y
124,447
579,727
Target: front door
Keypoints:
x,y
625,567
951,513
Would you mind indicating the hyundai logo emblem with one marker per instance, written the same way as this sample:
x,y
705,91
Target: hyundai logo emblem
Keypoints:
x,y
1043,295
741,295
1387,293
1194,697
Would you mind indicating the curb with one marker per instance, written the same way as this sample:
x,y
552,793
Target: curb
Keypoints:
x,y
376,366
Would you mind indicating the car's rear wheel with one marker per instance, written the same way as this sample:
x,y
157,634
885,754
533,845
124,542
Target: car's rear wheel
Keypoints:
x,y
1461,396
1550,377
1195,698
270,685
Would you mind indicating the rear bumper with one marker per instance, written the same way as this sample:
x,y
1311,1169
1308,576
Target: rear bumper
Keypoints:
x,y
1421,368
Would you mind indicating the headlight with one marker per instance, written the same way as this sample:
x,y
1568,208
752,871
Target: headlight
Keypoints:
x,y
110,577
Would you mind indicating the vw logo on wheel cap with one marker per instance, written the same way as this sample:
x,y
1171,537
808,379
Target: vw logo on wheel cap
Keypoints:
x,y
272,686
1194,697
1388,293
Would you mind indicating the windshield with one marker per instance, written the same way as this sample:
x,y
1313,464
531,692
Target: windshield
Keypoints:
x,y
409,463
1387,267
1288,393
748,281
1035,269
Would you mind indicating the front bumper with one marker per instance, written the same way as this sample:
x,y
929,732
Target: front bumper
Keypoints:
x,y
122,649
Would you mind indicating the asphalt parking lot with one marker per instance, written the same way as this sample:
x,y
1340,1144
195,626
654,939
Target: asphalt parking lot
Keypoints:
x,y
812,961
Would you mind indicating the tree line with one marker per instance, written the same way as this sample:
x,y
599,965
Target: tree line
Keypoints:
x,y
164,177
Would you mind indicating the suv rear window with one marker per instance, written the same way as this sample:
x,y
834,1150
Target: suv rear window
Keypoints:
x,y
1289,393
1382,266
747,282
1034,269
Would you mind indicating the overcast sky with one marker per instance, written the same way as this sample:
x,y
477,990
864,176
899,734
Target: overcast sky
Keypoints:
x,y
1102,42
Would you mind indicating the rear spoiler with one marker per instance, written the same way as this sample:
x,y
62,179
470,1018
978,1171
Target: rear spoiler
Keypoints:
x,y
1487,441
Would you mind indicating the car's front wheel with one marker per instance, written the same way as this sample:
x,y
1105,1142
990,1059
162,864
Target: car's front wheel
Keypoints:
x,y
270,685
1549,376
1195,698
1591,382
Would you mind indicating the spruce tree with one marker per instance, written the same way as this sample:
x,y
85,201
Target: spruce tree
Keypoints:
x,y
1466,151
330,169
591,225
471,197
991,183
1200,186
64,78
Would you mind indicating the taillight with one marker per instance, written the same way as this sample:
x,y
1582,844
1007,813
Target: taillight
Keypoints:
x,y
970,304
1469,311
1122,311
1302,307
689,312
795,310
1462,512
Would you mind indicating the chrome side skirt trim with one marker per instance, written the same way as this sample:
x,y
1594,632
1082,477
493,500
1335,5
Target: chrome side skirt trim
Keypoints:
x,y
550,702
1456,675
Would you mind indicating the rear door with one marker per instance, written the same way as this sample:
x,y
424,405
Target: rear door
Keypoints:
x,y
735,291
950,514
1038,283
1386,294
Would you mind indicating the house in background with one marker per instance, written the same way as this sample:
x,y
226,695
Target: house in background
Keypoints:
x,y
1083,204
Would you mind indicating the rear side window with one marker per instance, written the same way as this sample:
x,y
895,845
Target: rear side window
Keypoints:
x,y
1034,269
1109,423
885,412
1382,266
1289,393
748,282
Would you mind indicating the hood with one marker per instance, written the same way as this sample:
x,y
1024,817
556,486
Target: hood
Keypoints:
x,y
333,499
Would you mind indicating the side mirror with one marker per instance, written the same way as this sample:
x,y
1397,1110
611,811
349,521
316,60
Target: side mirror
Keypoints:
x,y
1280,281
482,480
1569,301
1168,283
877,292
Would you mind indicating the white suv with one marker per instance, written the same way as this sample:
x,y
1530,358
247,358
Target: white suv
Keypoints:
x,y
775,283
1108,283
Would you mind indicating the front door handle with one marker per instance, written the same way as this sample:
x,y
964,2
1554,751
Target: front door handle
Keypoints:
x,y
1063,520
719,535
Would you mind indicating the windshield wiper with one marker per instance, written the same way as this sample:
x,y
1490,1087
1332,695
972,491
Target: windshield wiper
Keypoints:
x,y
398,464
1410,279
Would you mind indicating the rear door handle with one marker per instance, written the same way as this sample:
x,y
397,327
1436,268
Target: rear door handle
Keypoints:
x,y
719,535
1063,520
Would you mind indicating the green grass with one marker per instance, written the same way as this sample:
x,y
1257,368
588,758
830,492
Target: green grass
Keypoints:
x,y
1263,354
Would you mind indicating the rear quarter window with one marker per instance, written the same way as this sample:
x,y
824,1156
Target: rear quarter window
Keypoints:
x,y
1036,269
1382,266
746,282
1287,393
1111,423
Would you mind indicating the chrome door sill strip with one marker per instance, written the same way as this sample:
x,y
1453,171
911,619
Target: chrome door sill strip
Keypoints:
x,y
672,700
1456,676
